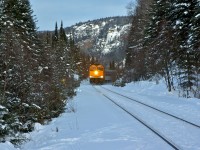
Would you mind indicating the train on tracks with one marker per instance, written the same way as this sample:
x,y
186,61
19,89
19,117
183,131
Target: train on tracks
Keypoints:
x,y
99,75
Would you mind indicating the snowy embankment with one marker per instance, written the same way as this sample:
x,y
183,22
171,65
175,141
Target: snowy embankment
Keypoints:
x,y
91,122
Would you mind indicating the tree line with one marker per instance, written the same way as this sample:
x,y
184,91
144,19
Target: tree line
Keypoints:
x,y
37,71
164,41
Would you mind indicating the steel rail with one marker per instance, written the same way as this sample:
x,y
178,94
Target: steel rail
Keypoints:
x,y
161,111
168,141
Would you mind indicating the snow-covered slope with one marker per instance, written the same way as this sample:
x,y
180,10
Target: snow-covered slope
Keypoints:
x,y
102,36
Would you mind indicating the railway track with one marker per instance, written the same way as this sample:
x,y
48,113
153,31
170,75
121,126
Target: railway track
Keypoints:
x,y
156,109
142,121
168,141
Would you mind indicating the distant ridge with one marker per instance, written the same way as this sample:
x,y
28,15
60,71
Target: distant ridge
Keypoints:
x,y
103,38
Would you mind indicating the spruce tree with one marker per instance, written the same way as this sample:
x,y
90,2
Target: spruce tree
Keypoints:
x,y
135,54
55,57
181,13
194,45
19,63
159,42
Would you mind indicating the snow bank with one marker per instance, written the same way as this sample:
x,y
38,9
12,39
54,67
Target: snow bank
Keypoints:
x,y
7,146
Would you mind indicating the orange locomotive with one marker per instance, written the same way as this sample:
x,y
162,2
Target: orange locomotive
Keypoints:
x,y
96,73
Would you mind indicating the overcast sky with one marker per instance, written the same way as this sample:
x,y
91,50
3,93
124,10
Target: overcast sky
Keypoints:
x,y
73,11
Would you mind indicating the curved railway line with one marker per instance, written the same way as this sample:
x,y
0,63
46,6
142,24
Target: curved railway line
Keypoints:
x,y
143,122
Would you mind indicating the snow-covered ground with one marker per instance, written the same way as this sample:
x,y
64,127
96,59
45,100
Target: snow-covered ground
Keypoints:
x,y
91,122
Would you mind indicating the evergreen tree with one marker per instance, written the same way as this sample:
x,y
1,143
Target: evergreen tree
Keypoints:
x,y
195,46
135,55
181,14
61,54
55,37
63,37
19,63
55,55
84,65
159,42
195,27
74,54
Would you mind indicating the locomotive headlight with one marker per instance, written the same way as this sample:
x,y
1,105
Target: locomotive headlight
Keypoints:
x,y
96,72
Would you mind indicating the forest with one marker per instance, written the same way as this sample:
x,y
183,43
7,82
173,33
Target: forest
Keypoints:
x,y
164,43
38,74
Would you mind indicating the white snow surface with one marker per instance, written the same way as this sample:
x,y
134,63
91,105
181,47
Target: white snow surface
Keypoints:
x,y
92,122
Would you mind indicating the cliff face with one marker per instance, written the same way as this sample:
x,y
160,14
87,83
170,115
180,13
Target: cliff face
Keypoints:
x,y
103,38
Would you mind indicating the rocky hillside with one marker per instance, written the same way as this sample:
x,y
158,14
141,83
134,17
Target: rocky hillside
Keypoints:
x,y
103,38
